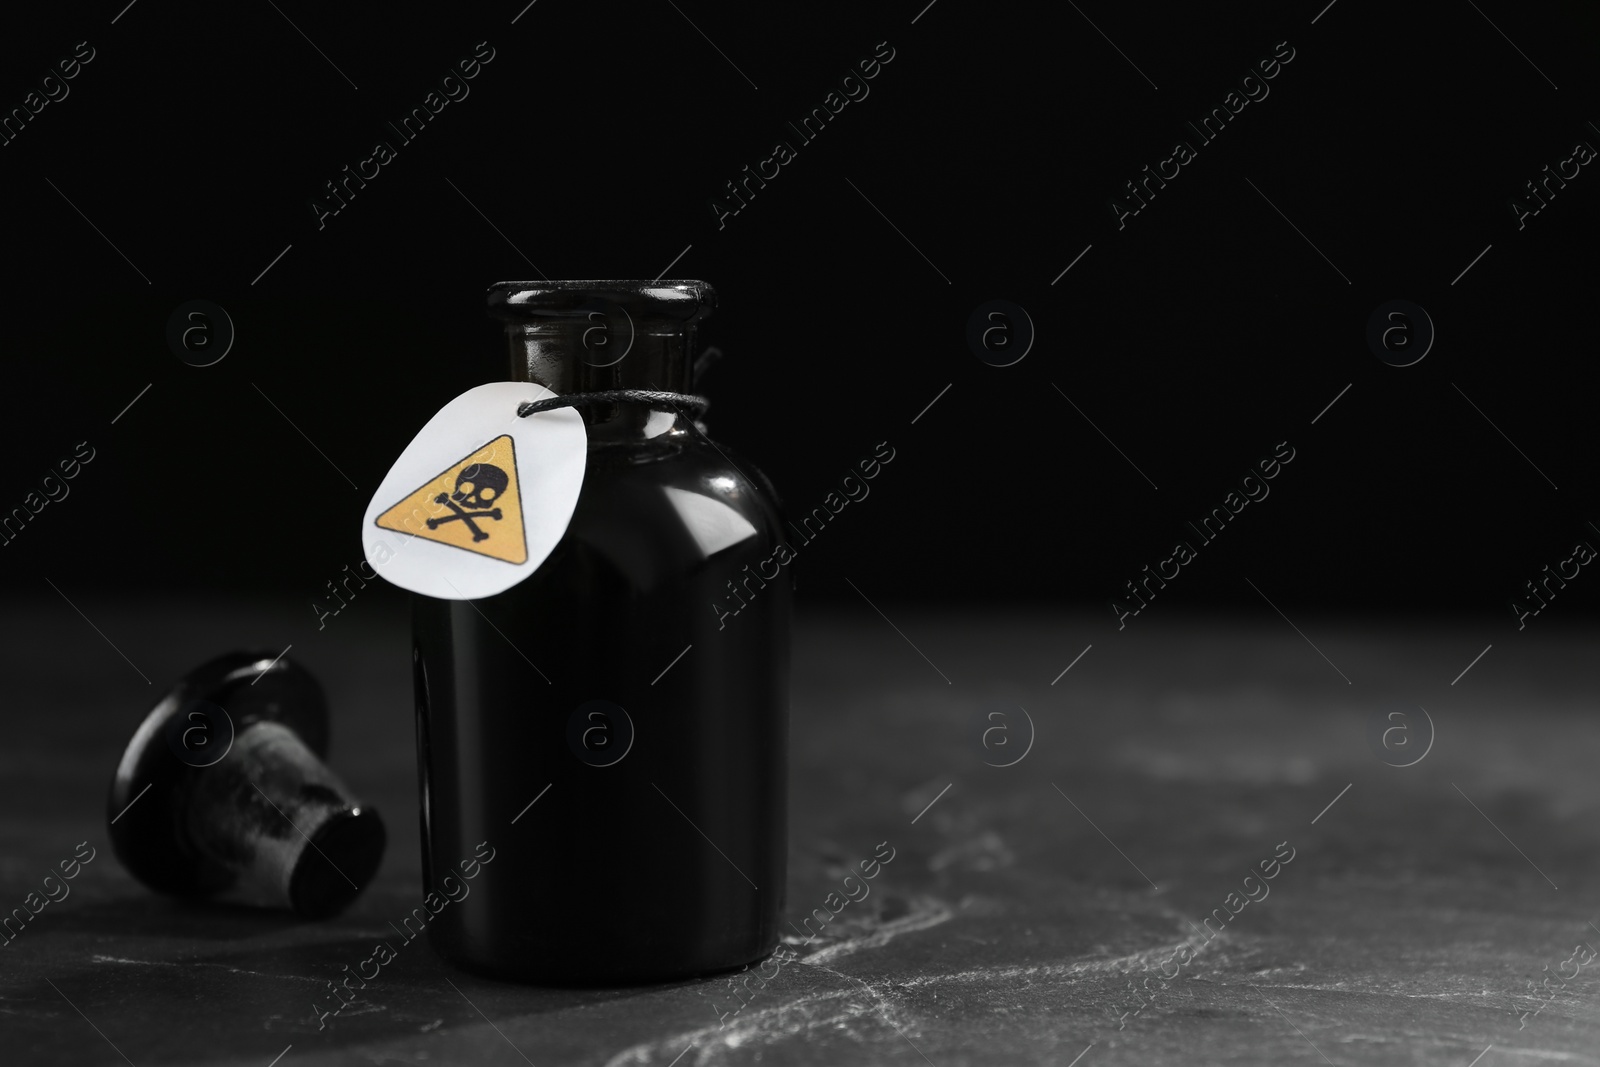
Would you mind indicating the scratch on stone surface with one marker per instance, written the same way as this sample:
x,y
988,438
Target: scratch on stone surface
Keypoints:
x,y
1357,992
1135,962
1140,961
818,1011
924,912
765,1027
199,963
885,1007
366,1007
993,974
784,1020
1543,1054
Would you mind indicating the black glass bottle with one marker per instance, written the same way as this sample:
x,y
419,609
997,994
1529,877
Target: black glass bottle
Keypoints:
x,y
611,733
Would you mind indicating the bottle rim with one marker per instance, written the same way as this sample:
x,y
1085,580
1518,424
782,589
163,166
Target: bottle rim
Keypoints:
x,y
683,300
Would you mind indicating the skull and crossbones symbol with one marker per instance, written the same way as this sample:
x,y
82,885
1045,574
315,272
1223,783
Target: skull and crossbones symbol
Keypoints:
x,y
477,486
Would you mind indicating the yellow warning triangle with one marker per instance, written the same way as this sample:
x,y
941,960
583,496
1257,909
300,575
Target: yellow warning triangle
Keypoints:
x,y
473,504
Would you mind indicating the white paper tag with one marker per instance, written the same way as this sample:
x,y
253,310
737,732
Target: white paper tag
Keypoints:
x,y
480,496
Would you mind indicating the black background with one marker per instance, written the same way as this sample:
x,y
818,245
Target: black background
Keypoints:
x,y
1196,338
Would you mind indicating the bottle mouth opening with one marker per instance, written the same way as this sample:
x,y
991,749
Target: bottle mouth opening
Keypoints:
x,y
683,301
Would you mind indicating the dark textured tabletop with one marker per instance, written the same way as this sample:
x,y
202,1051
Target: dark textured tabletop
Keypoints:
x,y
1104,899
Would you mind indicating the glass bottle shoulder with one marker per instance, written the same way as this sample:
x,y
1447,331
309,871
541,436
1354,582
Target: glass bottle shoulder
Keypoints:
x,y
673,501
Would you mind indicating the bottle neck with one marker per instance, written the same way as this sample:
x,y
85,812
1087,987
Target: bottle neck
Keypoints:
x,y
598,336
607,352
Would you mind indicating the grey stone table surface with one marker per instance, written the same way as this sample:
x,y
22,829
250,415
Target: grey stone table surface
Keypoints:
x,y
1053,911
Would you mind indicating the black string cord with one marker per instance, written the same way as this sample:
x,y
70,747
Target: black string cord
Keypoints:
x,y
682,403
687,405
